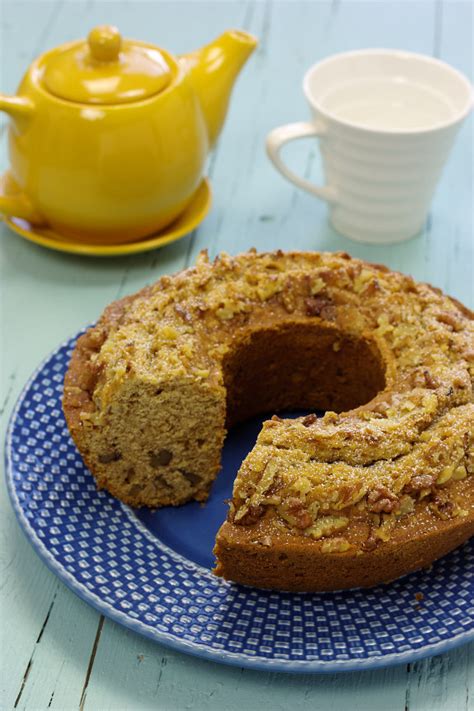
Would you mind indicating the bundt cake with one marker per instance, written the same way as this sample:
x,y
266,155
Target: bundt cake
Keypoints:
x,y
379,486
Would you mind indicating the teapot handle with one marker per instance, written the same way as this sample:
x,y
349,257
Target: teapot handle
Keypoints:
x,y
18,206
12,201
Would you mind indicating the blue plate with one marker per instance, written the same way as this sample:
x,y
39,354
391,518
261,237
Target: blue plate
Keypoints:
x,y
151,571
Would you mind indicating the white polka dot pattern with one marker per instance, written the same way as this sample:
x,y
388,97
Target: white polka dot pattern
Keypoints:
x,y
101,551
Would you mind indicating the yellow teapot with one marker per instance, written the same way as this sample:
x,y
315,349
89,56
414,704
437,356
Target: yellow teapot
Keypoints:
x,y
108,138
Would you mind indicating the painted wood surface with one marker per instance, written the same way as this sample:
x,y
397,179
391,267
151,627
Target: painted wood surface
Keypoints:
x,y
55,651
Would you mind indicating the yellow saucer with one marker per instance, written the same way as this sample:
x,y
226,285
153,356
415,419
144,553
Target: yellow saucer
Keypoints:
x,y
186,222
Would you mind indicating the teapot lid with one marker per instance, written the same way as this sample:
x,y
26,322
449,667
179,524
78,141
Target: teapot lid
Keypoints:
x,y
106,70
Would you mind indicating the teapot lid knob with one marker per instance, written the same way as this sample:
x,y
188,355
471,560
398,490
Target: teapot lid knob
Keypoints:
x,y
105,42
107,69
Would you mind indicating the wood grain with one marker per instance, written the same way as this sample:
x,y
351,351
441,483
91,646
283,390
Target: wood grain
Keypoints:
x,y
55,651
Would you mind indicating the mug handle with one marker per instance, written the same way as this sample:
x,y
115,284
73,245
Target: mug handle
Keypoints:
x,y
277,138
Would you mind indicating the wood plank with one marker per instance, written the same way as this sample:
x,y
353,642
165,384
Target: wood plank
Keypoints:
x,y
442,682
451,253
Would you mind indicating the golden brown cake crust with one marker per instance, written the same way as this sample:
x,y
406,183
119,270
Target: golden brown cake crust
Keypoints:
x,y
379,486
265,556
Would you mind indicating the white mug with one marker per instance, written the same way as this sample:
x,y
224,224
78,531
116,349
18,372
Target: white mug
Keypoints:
x,y
386,121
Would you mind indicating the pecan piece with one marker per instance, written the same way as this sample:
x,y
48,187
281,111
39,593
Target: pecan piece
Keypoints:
x,y
288,297
296,509
382,499
320,306
309,420
252,516
422,481
371,543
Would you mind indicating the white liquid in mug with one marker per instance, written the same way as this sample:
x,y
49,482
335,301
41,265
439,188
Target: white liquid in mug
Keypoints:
x,y
388,104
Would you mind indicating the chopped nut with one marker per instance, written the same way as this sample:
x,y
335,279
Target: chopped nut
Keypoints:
x,y
371,543
202,372
445,475
289,301
384,325
185,314
320,306
275,486
422,481
192,478
296,513
384,530
430,381
407,505
443,508
225,313
335,545
372,288
108,457
309,420
268,288
326,525
250,516
362,280
160,481
161,458
169,333
316,285
382,499
449,319
459,473
381,408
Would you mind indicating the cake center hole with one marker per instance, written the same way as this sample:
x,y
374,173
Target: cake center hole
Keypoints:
x,y
300,366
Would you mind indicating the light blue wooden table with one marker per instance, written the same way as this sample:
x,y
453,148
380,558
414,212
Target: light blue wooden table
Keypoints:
x,y
55,651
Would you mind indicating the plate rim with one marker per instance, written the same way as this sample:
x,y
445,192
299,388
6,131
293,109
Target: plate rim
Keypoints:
x,y
200,650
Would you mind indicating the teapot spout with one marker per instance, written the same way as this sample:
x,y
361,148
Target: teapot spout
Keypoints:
x,y
213,71
16,106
